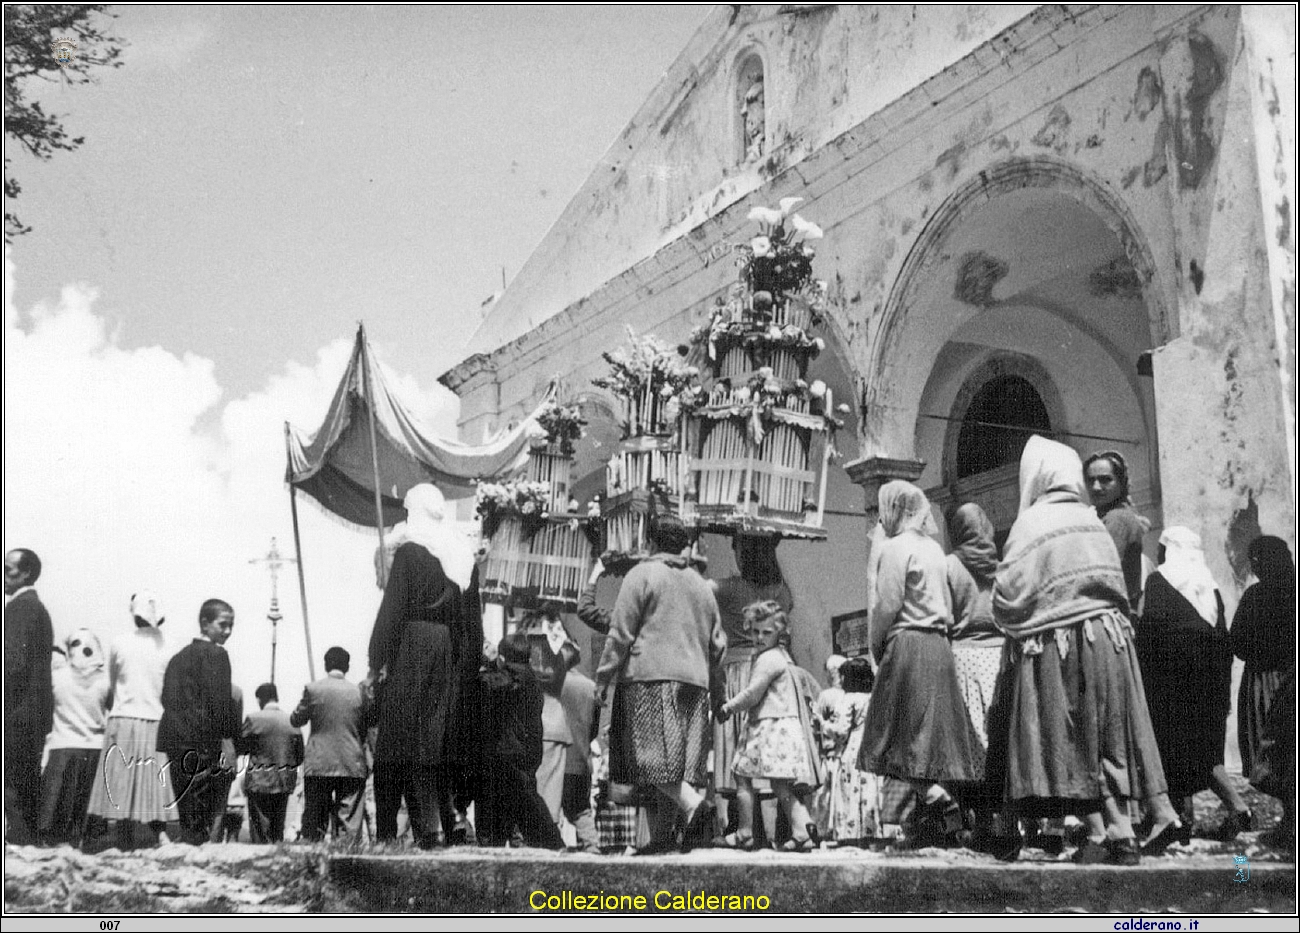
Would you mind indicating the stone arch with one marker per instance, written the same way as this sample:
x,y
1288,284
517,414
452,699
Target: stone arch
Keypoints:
x,y
886,435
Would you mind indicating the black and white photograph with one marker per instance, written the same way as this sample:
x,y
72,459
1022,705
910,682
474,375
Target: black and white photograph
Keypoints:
x,y
584,459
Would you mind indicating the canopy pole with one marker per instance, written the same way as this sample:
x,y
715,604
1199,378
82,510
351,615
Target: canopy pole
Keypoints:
x,y
374,447
297,547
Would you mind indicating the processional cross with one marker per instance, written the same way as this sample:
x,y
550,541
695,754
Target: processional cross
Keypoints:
x,y
274,561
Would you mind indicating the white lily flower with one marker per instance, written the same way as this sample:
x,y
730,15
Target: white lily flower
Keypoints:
x,y
765,215
806,228
761,245
787,205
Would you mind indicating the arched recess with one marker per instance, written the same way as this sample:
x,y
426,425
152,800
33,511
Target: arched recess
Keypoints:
x,y
749,93
909,336
997,367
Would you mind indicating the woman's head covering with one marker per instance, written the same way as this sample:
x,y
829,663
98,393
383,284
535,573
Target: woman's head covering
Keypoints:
x,y
1185,570
972,541
426,525
903,507
148,608
85,654
1271,561
1046,466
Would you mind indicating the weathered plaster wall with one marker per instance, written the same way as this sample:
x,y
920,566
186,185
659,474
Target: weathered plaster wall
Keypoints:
x,y
1220,386
828,68
1269,34
1146,119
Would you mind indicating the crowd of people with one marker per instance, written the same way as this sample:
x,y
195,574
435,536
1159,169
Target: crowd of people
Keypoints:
x,y
1050,695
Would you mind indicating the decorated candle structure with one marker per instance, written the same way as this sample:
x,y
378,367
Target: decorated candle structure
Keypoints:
x,y
761,441
655,385
538,548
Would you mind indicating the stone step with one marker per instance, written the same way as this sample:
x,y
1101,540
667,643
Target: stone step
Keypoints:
x,y
508,881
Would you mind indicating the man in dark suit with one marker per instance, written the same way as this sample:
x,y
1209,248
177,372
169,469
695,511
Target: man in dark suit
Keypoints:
x,y
29,697
274,747
334,778
198,712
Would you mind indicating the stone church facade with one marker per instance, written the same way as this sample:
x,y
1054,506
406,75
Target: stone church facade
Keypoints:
x,y
1074,219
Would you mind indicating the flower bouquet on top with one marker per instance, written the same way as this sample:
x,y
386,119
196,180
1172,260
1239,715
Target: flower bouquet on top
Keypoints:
x,y
775,300
526,499
655,382
779,260
563,425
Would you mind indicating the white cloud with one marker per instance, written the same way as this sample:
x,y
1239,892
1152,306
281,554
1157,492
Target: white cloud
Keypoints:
x,y
119,476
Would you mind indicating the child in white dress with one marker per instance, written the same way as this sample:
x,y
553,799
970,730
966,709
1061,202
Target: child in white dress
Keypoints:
x,y
852,809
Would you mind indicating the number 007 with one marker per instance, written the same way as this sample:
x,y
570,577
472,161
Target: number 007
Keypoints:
x,y
109,924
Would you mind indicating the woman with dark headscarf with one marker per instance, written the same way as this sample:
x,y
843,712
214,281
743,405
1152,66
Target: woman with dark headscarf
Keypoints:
x,y
976,640
1182,644
1106,476
1070,732
917,729
1263,635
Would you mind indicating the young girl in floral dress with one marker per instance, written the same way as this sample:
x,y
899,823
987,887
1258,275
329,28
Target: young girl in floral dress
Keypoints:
x,y
777,741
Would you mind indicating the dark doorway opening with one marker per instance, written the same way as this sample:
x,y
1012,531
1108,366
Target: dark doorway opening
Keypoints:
x,y
997,424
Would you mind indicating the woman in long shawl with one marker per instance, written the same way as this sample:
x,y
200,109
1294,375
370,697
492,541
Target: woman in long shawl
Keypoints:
x,y
1182,644
1263,635
1070,732
413,654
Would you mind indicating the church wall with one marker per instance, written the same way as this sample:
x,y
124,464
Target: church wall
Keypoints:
x,y
1106,95
828,68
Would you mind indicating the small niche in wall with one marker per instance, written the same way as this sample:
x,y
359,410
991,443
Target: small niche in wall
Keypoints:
x,y
750,108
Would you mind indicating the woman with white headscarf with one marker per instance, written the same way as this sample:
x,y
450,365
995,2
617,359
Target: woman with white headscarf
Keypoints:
x,y
917,729
1186,658
414,649
1070,731
131,788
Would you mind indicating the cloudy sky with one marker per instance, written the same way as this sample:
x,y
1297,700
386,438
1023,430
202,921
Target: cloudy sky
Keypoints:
x,y
254,182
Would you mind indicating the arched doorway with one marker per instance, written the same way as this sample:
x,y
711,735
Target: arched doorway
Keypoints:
x,y
1023,307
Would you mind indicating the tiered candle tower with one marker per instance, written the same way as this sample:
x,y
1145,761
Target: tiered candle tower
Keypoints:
x,y
538,546
761,442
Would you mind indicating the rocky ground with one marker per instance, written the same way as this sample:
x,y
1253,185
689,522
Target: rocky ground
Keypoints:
x,y
291,878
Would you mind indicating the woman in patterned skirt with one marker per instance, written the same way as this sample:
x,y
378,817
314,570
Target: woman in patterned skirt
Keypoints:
x,y
664,648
